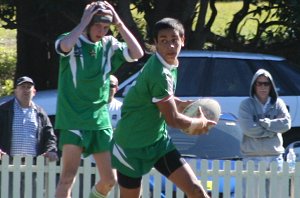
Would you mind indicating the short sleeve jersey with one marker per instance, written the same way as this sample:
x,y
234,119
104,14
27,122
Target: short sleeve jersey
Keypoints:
x,y
83,86
141,122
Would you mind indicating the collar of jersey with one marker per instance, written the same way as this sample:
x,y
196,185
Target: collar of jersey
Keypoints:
x,y
86,40
170,67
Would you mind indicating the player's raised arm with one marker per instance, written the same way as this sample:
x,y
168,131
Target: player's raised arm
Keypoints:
x,y
135,50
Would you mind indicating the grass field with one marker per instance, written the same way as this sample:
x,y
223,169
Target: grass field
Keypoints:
x,y
226,11
8,38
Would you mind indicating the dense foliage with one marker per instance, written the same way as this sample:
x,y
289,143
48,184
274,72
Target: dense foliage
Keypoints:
x,y
38,24
7,70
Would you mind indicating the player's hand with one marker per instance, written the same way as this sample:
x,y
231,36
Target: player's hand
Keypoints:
x,y
89,11
202,129
201,125
116,19
52,156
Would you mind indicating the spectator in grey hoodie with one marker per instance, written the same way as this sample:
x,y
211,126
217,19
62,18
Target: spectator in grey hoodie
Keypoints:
x,y
263,118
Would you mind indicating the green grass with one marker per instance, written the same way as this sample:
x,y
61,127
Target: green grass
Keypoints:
x,y
226,11
8,39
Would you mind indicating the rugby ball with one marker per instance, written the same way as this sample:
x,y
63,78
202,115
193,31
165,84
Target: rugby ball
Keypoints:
x,y
210,107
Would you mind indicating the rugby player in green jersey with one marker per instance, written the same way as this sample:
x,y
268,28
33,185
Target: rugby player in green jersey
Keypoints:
x,y
141,141
87,58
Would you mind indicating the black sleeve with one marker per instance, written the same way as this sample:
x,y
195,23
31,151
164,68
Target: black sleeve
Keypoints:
x,y
48,139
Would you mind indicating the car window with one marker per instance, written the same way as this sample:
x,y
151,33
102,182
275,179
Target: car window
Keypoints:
x,y
189,84
232,76
280,70
285,77
229,78
215,77
293,72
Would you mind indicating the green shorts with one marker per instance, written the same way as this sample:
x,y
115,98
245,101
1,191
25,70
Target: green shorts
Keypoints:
x,y
92,141
135,162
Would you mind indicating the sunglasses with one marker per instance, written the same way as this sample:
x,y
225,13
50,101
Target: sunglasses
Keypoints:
x,y
259,84
112,86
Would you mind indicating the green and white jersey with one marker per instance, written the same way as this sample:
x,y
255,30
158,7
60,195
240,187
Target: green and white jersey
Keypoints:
x,y
83,86
141,122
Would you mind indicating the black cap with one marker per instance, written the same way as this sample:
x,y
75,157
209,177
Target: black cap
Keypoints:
x,y
103,14
24,79
102,18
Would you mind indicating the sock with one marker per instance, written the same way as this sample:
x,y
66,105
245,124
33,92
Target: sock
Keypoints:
x,y
95,194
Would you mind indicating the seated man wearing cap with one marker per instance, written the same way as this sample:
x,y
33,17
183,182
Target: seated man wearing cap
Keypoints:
x,y
25,128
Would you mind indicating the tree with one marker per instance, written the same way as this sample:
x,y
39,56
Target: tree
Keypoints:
x,y
38,24
283,16
36,34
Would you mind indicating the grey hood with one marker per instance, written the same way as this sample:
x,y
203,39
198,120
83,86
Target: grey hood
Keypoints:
x,y
273,92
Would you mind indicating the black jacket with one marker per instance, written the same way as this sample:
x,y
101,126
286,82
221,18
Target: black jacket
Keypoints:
x,y
45,134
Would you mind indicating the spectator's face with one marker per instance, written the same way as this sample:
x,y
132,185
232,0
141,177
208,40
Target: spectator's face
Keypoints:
x,y
98,31
262,88
24,93
168,45
113,90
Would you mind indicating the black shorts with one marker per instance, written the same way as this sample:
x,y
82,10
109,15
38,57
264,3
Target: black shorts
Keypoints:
x,y
166,165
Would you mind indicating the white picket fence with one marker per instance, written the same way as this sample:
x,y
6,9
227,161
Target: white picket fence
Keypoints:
x,y
230,179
